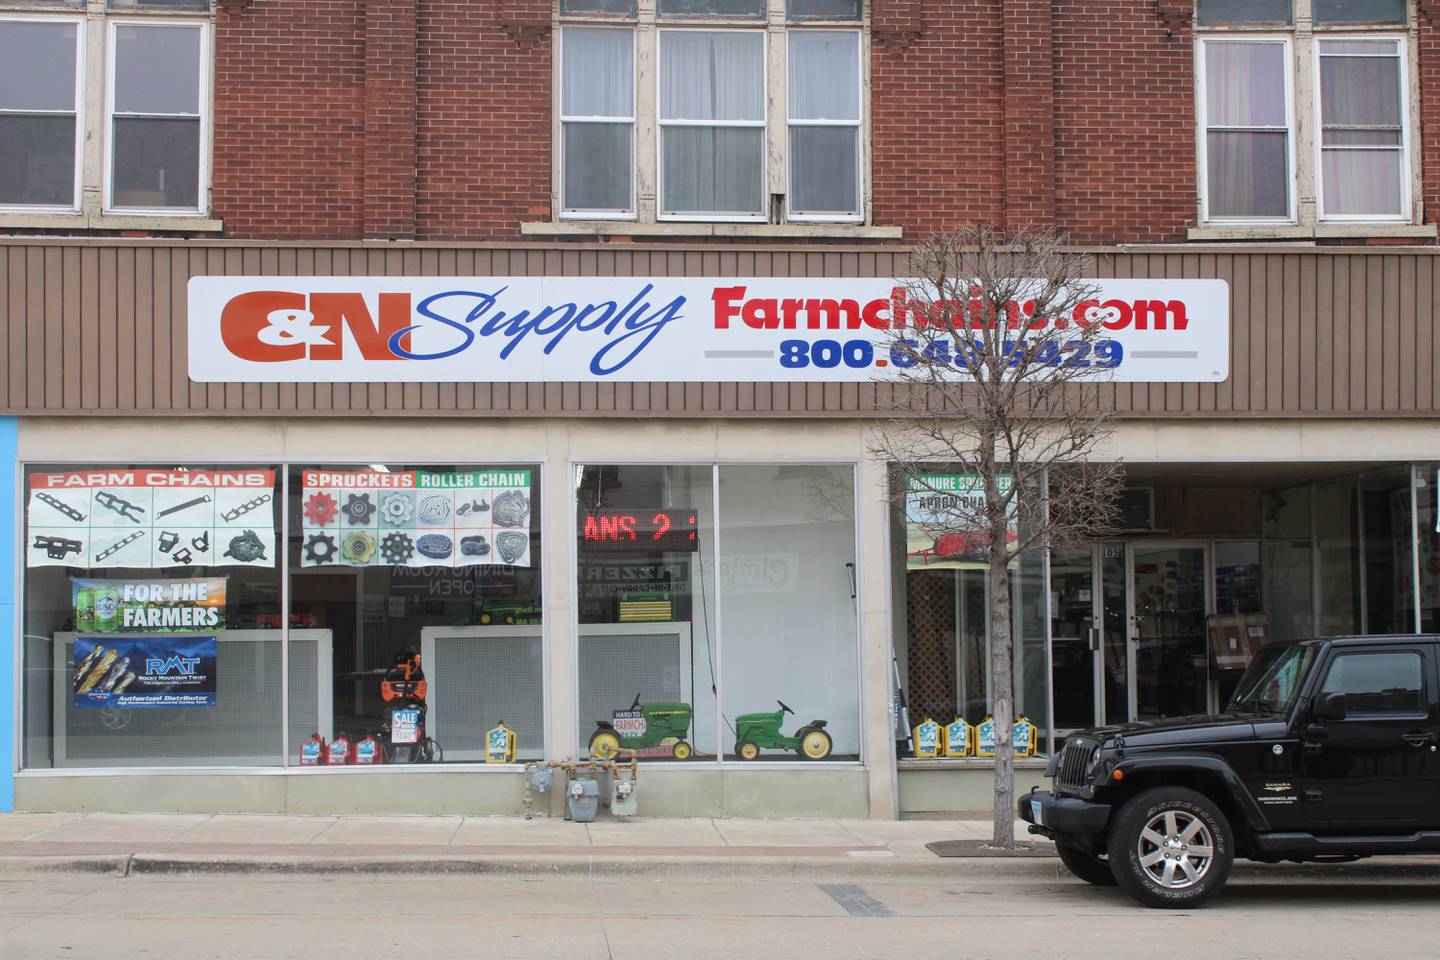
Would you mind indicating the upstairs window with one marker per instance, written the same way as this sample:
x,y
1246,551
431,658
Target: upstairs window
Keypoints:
x,y
1349,161
40,102
745,111
156,124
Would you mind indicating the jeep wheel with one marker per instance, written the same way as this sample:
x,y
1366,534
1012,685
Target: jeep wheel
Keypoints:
x,y
1088,866
1171,847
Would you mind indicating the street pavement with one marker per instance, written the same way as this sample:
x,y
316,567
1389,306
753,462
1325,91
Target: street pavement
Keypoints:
x,y
434,888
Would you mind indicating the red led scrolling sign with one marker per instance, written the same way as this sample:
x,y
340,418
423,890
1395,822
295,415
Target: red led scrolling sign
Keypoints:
x,y
638,530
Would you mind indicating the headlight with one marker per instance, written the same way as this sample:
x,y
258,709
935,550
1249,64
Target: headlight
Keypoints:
x,y
1094,762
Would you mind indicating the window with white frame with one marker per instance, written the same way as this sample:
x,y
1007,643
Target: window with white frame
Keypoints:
x,y
40,111
1304,112
106,111
711,110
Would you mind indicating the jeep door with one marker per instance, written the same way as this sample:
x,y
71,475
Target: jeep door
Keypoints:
x,y
1378,766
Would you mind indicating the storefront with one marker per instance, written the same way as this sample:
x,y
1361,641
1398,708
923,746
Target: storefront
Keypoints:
x,y
215,573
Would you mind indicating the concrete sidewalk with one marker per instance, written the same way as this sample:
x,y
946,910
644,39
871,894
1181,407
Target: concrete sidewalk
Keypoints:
x,y
231,843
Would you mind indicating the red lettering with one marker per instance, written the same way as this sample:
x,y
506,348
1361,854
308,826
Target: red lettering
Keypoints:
x,y
724,299
245,316
334,310
1160,315
871,314
760,314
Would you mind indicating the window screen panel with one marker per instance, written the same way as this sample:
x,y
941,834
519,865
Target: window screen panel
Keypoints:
x,y
712,8
620,7
712,75
1213,12
37,65
824,9
37,159
1247,174
157,69
156,162
825,170
1359,11
598,161
713,169
618,667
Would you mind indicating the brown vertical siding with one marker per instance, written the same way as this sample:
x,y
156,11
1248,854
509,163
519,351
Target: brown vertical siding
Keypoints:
x,y
100,328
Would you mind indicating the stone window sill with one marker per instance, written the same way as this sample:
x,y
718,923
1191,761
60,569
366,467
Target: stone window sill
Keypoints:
x,y
108,221
1319,231
803,231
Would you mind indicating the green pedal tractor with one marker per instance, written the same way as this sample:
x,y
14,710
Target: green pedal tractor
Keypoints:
x,y
761,731
644,728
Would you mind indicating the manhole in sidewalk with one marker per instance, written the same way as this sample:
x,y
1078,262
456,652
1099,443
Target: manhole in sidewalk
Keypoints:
x,y
982,848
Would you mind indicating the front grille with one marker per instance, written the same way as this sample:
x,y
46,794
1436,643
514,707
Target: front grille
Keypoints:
x,y
1074,765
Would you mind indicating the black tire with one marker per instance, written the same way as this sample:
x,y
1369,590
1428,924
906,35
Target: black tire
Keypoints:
x,y
1090,867
1186,816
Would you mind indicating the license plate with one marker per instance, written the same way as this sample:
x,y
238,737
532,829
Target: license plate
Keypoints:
x,y
405,726
1035,811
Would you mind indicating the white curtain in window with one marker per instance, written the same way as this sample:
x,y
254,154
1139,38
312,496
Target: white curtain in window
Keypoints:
x,y
597,84
824,108
1361,128
598,72
1247,137
717,165
709,75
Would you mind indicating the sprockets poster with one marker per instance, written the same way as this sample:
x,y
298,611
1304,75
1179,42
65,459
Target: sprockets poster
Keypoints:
x,y
415,518
151,519
145,671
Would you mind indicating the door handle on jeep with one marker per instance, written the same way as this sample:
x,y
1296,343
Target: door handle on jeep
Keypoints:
x,y
1418,739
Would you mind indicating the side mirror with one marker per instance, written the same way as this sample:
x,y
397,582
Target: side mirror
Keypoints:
x,y
1329,706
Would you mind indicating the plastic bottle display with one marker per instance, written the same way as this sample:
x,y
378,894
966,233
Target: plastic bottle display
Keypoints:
x,y
368,751
500,745
928,736
339,752
985,738
959,738
313,751
1025,738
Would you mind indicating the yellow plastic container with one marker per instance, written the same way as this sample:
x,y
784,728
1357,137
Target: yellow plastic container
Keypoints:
x,y
500,745
959,738
1025,738
929,740
985,738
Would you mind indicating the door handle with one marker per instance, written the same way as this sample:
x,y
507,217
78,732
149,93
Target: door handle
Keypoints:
x,y
1419,739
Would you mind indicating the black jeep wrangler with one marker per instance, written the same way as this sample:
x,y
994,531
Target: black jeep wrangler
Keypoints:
x,y
1327,752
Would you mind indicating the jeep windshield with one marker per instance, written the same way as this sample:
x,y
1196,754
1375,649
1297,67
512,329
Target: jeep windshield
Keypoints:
x,y
1273,680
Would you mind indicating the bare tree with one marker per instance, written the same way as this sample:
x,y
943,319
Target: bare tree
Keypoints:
x,y
996,347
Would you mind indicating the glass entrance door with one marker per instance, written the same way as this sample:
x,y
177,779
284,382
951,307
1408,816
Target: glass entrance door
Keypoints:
x,y
1168,643
1074,640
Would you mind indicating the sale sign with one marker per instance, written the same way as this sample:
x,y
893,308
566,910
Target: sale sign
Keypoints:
x,y
548,329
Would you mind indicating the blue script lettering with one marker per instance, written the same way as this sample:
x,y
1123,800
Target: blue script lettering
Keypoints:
x,y
469,313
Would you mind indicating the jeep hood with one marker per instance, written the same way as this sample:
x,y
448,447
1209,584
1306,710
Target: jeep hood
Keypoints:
x,y
1178,731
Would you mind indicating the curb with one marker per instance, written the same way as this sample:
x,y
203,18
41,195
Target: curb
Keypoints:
x,y
1012,870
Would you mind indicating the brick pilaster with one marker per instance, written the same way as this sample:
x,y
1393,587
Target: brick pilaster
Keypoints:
x,y
1029,110
390,160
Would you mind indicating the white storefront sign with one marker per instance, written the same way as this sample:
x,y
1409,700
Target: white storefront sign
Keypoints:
x,y
538,329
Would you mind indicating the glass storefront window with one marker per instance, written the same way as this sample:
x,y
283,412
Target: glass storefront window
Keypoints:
x,y
403,574
787,584
152,617
647,661
696,637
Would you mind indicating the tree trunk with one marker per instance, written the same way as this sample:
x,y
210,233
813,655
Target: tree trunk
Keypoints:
x,y
1002,689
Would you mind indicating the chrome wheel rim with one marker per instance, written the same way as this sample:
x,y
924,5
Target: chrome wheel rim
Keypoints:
x,y
1175,849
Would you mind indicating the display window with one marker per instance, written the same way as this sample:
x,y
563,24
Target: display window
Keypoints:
x,y
944,645
716,612
151,617
421,586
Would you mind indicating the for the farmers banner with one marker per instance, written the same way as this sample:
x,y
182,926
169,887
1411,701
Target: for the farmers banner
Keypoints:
x,y
415,518
125,606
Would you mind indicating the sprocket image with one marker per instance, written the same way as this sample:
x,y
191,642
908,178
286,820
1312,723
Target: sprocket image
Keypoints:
x,y
358,547
358,509
397,509
320,548
397,548
321,508
246,548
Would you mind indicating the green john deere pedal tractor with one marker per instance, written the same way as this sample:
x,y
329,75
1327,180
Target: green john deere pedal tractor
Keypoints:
x,y
640,728
761,731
